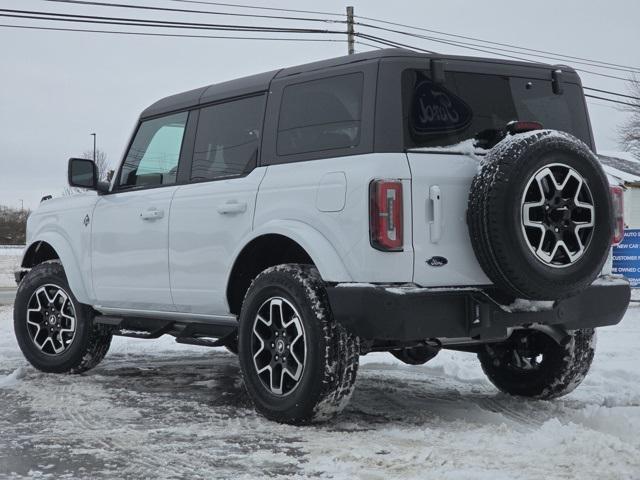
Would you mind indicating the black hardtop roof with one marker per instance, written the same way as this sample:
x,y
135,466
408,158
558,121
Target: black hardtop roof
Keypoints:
x,y
261,81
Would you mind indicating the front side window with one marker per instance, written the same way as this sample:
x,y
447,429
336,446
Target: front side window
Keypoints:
x,y
227,139
322,114
154,154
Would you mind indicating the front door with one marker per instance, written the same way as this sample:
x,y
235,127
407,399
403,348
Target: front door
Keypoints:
x,y
130,226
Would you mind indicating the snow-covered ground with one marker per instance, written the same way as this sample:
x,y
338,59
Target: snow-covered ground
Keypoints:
x,y
9,261
162,410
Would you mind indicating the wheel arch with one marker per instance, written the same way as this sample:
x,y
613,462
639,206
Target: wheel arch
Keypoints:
x,y
54,247
284,242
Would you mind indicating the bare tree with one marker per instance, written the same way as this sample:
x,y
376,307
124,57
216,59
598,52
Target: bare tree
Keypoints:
x,y
104,174
630,131
13,224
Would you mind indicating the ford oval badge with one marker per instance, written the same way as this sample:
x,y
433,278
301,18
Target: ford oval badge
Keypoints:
x,y
437,261
436,110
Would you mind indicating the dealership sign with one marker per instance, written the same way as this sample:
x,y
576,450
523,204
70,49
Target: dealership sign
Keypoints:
x,y
626,257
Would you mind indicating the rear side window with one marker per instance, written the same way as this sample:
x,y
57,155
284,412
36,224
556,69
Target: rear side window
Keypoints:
x,y
227,139
320,115
154,154
466,104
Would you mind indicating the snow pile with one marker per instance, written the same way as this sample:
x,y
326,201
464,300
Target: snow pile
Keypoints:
x,y
466,147
523,305
13,378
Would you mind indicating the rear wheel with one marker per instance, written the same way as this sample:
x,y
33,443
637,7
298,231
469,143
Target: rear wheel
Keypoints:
x,y
54,331
532,364
298,364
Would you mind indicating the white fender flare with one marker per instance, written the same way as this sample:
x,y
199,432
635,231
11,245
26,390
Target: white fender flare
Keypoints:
x,y
69,261
324,255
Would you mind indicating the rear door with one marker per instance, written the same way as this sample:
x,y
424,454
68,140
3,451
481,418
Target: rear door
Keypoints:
x,y
443,121
440,188
214,212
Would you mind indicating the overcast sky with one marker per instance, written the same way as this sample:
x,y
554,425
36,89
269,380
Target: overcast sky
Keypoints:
x,y
56,88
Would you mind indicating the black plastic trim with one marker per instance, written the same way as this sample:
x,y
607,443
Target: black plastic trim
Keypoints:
x,y
380,313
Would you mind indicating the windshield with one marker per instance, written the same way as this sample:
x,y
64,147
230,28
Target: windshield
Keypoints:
x,y
438,115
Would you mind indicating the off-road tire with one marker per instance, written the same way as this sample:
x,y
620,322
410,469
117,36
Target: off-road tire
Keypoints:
x,y
332,357
561,371
494,216
91,342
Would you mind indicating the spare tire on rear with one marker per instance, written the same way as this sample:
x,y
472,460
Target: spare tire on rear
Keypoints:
x,y
539,215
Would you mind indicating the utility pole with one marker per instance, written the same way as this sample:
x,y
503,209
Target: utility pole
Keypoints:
x,y
94,147
21,205
351,37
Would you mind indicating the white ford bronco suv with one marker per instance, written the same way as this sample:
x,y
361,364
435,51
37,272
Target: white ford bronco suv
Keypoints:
x,y
386,201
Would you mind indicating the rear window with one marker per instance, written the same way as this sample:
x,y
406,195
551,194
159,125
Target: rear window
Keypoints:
x,y
437,115
227,139
322,114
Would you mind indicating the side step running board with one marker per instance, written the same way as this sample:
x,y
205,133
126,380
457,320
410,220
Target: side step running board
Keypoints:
x,y
205,342
142,334
190,333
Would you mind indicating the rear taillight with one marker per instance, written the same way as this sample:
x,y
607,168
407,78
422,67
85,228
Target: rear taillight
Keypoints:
x,y
617,198
517,126
385,215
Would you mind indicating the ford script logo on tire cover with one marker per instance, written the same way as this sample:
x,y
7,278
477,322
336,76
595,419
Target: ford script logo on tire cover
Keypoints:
x,y
437,261
436,110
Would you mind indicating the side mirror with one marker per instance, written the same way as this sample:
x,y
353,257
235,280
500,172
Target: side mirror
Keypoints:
x,y
83,173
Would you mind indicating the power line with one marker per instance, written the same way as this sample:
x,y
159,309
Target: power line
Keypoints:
x,y
494,43
255,7
64,17
610,100
605,105
612,93
368,44
172,35
491,52
461,43
390,43
183,10
91,19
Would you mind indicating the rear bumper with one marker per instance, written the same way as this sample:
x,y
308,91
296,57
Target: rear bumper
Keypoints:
x,y
409,313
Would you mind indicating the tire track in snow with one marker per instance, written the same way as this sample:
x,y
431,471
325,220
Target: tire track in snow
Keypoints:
x,y
511,412
99,432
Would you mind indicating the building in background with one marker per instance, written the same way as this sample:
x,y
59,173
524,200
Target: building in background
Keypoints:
x,y
623,169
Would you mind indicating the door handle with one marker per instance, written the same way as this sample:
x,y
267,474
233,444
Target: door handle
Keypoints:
x,y
435,225
152,214
232,207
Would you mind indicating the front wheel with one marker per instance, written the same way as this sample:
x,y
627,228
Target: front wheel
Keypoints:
x,y
532,364
298,364
54,331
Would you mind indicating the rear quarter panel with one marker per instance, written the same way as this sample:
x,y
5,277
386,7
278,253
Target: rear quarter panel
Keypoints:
x,y
311,192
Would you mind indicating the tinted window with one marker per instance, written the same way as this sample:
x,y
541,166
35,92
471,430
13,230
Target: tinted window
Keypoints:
x,y
155,151
227,139
320,115
469,103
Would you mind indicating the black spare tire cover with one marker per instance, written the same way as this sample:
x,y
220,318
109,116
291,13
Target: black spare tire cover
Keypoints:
x,y
539,215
